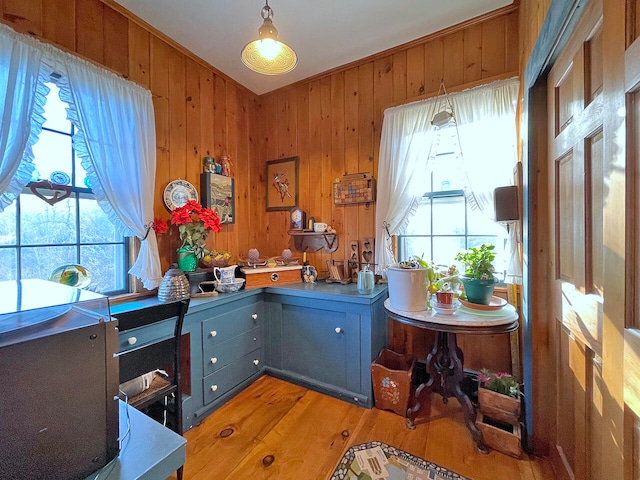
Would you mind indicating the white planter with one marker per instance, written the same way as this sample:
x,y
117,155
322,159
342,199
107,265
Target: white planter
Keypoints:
x,y
408,288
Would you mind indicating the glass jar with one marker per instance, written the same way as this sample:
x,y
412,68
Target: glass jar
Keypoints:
x,y
366,281
174,286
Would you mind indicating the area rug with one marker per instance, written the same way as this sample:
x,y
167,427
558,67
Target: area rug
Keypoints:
x,y
379,461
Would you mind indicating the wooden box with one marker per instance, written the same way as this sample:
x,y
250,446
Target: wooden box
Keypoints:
x,y
392,375
504,437
271,276
498,406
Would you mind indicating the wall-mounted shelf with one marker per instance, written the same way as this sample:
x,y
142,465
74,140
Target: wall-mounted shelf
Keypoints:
x,y
314,241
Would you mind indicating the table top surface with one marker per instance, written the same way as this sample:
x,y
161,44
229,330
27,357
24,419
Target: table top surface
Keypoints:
x,y
148,452
463,320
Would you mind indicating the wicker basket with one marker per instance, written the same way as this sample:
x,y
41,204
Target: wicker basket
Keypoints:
x,y
392,375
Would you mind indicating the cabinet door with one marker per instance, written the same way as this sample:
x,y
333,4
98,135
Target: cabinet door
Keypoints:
x,y
320,344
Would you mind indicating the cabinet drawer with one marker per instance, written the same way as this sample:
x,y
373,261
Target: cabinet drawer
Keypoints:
x,y
223,327
227,377
217,356
137,337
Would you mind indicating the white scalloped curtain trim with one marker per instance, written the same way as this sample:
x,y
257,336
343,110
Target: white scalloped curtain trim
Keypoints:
x,y
25,170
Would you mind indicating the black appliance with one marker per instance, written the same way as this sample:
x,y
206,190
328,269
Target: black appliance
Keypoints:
x,y
58,394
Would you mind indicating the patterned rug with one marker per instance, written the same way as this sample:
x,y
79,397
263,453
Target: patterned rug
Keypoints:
x,y
379,461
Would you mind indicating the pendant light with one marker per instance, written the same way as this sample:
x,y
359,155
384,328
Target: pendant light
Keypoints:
x,y
267,55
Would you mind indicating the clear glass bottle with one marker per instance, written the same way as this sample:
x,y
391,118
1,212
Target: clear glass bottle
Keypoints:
x,y
366,281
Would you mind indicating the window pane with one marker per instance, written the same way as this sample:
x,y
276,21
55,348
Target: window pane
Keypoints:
x,y
42,223
95,227
8,225
481,225
420,223
415,246
81,179
448,173
41,261
105,263
448,215
445,248
55,111
52,153
9,262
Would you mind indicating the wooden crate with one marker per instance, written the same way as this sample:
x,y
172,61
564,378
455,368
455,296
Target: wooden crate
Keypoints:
x,y
500,436
269,277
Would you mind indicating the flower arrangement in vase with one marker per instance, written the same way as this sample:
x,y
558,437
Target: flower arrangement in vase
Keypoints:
x,y
478,279
499,396
194,224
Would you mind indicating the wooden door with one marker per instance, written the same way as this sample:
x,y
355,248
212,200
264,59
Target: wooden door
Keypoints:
x,y
592,120
576,209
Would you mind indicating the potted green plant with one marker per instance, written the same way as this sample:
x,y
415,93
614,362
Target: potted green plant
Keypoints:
x,y
478,279
499,396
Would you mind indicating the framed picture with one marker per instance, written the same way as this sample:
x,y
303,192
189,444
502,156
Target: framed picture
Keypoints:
x,y
217,193
282,184
298,219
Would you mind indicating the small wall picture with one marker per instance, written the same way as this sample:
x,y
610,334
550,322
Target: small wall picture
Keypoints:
x,y
217,193
282,184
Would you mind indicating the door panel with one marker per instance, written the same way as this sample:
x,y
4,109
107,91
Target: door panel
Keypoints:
x,y
575,161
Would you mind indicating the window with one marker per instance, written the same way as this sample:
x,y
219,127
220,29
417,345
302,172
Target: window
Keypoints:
x,y
36,237
445,223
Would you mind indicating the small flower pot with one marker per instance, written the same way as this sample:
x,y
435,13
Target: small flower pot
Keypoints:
x,y
187,260
501,407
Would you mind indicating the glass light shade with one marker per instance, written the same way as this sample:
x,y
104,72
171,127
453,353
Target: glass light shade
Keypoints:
x,y
269,57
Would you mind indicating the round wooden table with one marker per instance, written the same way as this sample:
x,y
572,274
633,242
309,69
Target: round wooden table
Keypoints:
x,y
445,362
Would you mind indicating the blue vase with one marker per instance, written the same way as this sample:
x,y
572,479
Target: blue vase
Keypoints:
x,y
478,290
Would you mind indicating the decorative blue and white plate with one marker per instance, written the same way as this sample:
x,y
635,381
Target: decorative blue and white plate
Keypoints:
x,y
178,193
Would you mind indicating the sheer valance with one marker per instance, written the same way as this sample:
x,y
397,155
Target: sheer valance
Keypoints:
x,y
115,135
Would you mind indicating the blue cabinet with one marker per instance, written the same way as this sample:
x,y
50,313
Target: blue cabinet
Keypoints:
x,y
322,336
325,337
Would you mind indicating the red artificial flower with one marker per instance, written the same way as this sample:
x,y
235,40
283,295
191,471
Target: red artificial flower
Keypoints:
x,y
159,225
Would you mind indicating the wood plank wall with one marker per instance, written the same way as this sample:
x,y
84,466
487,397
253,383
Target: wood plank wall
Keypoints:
x,y
333,123
198,110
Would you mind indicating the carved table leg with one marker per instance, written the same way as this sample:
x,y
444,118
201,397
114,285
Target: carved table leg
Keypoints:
x,y
424,388
456,383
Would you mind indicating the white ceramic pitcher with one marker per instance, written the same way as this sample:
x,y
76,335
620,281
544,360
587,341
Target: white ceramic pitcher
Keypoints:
x,y
225,274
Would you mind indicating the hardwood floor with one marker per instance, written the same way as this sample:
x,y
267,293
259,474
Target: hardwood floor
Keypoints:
x,y
305,434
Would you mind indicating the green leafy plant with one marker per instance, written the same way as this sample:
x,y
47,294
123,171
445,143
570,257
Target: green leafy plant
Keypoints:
x,y
478,261
502,383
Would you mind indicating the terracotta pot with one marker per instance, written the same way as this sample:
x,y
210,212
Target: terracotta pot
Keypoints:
x,y
498,406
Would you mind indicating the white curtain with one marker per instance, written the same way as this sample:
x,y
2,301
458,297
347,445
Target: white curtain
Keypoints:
x,y
486,122
115,139
22,98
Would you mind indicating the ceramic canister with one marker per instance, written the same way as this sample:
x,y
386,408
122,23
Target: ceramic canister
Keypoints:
x,y
408,288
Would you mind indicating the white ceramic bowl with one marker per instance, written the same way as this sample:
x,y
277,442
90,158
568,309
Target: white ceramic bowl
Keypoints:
x,y
229,287
319,227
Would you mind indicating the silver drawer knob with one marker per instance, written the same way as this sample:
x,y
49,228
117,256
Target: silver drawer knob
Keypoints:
x,y
132,340
256,362
254,316
339,330
213,333
214,360
214,388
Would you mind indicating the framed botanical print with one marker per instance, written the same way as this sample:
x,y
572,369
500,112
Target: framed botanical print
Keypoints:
x,y
282,184
217,193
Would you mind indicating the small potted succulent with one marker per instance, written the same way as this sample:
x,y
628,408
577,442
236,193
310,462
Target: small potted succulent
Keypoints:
x,y
499,396
478,279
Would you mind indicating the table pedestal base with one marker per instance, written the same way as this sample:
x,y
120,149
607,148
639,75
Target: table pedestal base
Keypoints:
x,y
444,365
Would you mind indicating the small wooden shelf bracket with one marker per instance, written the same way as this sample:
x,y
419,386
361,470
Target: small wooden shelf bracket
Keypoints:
x,y
313,241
